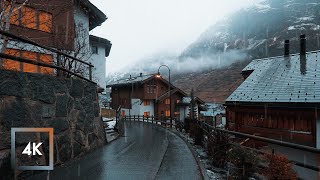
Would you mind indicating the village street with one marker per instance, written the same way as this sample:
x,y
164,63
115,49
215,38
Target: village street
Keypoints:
x,y
146,151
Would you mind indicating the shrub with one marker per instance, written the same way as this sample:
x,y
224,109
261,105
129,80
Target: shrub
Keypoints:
x,y
278,168
244,162
196,133
217,148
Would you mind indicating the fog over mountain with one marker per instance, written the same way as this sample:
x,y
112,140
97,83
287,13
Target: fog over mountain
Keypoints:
x,y
212,64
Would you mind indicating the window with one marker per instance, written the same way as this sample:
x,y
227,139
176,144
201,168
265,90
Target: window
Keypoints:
x,y
146,103
151,89
167,113
15,65
29,17
94,49
45,22
146,114
48,59
167,101
30,67
14,16
10,64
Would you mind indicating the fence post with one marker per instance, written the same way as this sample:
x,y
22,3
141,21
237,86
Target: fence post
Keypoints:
x,y
138,117
142,118
58,64
134,117
152,119
90,72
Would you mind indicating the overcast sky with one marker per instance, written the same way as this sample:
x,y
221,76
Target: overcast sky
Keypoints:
x,y
140,28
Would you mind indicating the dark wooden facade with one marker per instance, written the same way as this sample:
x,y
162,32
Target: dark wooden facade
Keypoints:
x,y
289,123
62,35
152,89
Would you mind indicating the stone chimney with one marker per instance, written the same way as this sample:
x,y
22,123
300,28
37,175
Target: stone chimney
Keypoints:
x,y
286,48
303,49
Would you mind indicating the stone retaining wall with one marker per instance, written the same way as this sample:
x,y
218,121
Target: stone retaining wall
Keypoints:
x,y
70,106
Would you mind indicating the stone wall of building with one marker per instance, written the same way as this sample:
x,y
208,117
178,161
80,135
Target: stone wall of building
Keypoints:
x,y
70,106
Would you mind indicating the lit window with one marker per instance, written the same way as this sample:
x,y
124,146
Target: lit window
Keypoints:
x,y
11,64
48,59
146,114
146,103
30,67
94,50
167,101
29,19
14,19
167,113
45,22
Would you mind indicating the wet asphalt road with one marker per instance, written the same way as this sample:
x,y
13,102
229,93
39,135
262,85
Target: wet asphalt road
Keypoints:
x,y
145,152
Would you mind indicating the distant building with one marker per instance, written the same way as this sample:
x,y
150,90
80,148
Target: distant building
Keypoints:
x,y
184,107
148,95
100,50
214,114
280,98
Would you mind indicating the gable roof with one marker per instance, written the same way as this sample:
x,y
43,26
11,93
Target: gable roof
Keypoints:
x,y
132,80
175,90
139,79
96,16
105,42
292,79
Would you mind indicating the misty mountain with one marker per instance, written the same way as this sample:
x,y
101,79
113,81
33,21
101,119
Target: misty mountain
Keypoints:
x,y
212,64
258,32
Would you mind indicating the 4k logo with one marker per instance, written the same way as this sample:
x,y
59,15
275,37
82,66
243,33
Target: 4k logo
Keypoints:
x,y
32,149
35,150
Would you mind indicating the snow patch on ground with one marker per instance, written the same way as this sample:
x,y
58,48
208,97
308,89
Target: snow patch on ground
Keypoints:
x,y
304,19
303,26
110,122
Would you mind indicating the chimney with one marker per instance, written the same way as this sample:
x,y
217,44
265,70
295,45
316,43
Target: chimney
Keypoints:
x,y
286,48
302,44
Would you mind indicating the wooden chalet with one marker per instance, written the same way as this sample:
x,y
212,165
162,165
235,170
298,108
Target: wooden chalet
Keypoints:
x,y
280,98
148,95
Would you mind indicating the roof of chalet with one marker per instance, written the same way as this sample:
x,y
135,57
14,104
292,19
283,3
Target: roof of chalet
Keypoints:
x,y
292,79
105,42
132,80
145,78
175,90
96,16
188,100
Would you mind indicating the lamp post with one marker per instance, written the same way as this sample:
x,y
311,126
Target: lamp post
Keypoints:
x,y
168,91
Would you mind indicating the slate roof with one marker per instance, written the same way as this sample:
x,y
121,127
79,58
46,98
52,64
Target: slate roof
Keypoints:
x,y
292,79
130,80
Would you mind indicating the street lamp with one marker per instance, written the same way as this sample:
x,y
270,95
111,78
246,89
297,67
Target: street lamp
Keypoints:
x,y
158,75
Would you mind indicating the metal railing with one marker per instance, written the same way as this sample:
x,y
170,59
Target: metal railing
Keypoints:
x,y
151,119
58,66
208,129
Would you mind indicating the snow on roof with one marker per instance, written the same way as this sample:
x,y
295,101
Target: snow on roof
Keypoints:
x,y
281,79
130,80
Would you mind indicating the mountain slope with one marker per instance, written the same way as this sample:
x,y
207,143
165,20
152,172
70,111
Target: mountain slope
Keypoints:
x,y
259,32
